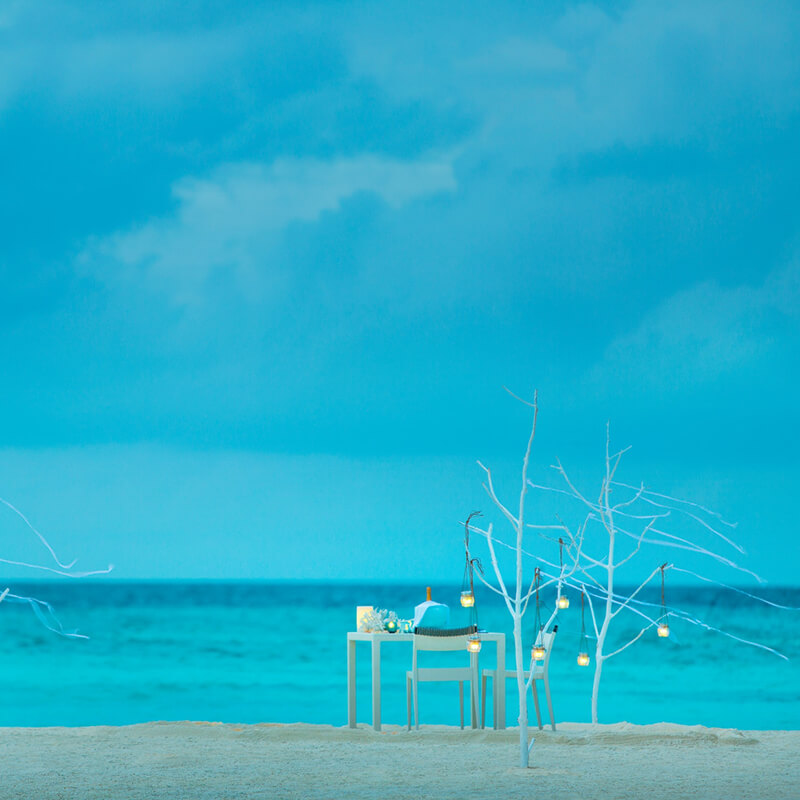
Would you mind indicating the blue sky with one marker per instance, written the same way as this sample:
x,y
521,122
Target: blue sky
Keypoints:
x,y
267,269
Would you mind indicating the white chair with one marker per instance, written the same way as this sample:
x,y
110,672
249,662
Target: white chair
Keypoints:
x,y
541,672
417,674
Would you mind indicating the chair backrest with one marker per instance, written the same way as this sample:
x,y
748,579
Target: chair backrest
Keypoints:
x,y
441,644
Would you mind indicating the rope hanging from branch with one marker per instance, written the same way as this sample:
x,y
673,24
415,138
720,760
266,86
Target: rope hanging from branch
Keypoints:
x,y
583,642
562,601
538,651
468,582
468,588
663,623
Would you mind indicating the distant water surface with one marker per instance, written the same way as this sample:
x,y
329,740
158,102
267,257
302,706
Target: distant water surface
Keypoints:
x,y
260,652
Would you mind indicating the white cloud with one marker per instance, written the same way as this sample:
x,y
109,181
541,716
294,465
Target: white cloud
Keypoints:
x,y
74,54
153,67
701,333
230,220
587,80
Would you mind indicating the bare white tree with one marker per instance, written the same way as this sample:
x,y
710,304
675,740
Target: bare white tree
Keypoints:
x,y
620,522
518,595
42,609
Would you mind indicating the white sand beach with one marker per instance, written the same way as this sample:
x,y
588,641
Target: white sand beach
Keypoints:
x,y
213,760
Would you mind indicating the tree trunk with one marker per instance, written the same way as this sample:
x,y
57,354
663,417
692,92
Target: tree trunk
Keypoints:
x,y
598,669
523,695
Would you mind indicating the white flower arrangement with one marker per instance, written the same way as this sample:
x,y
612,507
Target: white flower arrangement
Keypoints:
x,y
375,621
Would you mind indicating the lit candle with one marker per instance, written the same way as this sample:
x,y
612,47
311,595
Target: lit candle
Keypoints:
x,y
391,626
467,599
563,601
663,630
474,644
583,659
538,652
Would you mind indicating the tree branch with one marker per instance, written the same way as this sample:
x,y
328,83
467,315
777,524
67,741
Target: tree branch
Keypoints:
x,y
638,543
489,489
625,646
637,590
497,572
591,609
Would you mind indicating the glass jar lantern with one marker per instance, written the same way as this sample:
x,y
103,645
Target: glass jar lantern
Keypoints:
x,y
474,644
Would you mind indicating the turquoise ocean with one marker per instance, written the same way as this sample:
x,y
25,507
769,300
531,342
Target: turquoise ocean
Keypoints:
x,y
276,652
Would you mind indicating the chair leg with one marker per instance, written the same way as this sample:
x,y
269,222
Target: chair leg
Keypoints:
x,y
416,704
496,688
549,702
536,704
461,701
473,703
483,702
408,701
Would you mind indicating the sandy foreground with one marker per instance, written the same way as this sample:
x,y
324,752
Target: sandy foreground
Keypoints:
x,y
213,760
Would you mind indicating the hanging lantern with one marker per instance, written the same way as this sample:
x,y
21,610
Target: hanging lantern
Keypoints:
x,y
467,597
663,623
474,644
563,601
583,646
538,651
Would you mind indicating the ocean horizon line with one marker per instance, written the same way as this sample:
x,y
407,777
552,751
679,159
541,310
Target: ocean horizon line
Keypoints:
x,y
350,582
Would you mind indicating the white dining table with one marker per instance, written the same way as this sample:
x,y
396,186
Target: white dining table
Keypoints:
x,y
376,640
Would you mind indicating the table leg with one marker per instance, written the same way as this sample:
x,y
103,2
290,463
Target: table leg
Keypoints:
x,y
351,683
500,684
376,684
